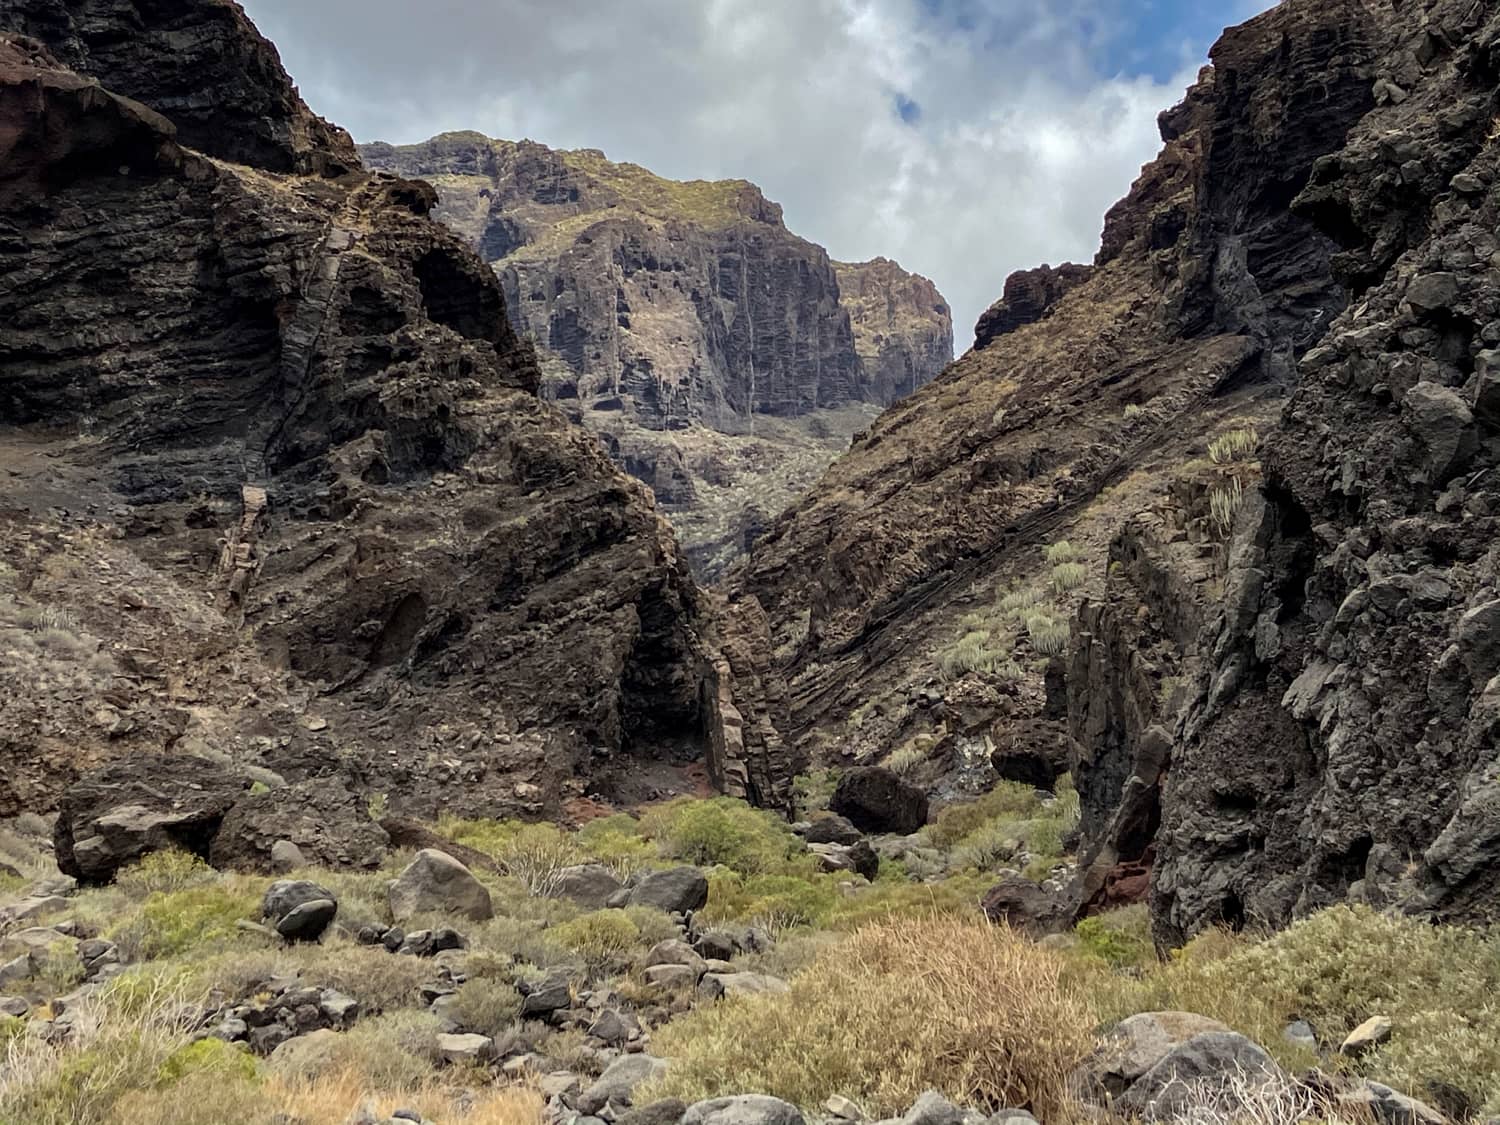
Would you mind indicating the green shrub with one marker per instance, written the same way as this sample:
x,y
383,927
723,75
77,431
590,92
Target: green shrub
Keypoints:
x,y
899,1008
165,871
1007,799
1224,503
618,842
602,938
212,1056
654,925
173,922
776,902
1016,603
1233,445
813,791
979,651
905,759
1049,633
958,895
1120,938
987,846
486,1006
1334,970
722,831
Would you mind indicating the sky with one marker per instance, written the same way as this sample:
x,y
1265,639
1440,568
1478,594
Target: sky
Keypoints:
x,y
965,139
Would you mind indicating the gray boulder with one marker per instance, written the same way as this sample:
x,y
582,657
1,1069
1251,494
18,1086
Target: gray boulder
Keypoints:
x,y
590,885
618,1082
715,985
1172,1087
1132,1048
676,890
830,828
435,882
746,1109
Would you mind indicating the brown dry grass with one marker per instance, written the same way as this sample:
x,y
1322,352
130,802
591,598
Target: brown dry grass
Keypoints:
x,y
902,1007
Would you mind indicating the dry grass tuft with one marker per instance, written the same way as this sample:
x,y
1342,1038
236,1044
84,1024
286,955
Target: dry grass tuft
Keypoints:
x,y
901,1007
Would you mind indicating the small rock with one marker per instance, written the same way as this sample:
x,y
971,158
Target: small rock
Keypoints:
x,y
304,1056
830,828
611,1027
1012,1117
15,970
746,1109
1367,1036
299,909
558,1084
1374,1101
1432,292
464,1048
1301,1034
287,856
844,1109
434,881
13,1006
932,1108
338,1009
715,945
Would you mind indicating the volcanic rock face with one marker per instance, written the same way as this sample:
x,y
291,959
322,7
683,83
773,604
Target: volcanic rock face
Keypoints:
x,y
247,402
1094,396
1343,739
668,314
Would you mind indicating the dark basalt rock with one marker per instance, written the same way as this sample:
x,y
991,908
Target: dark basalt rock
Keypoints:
x,y
127,809
1028,296
316,417
875,800
330,825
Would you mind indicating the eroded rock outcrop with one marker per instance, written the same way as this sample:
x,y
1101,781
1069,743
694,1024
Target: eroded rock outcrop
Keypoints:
x,y
722,359
287,407
1342,739
912,591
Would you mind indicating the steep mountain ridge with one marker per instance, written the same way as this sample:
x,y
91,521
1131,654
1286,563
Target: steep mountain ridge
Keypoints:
x,y
672,315
1236,699
289,405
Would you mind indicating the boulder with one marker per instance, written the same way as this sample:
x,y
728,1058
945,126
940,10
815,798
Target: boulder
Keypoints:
x,y
668,1111
114,815
875,800
465,1048
830,828
552,994
1374,1101
675,952
1132,1048
590,885
300,910
618,1082
1444,424
1023,905
671,976
715,945
1367,1036
676,890
1169,1090
435,882
933,1108
286,856
321,819
746,1109
715,985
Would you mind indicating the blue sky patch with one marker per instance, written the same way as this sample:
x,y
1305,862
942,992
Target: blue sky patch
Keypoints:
x,y
906,109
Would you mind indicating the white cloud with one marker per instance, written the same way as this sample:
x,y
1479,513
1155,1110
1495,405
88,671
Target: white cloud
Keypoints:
x,y
1019,149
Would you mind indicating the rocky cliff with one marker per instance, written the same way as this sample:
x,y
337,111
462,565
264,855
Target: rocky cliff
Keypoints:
x,y
277,484
1266,662
669,313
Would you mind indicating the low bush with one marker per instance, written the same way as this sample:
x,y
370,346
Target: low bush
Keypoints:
x,y
164,871
603,938
486,1006
722,831
173,922
205,1056
1068,576
899,1008
1120,938
619,843
1006,799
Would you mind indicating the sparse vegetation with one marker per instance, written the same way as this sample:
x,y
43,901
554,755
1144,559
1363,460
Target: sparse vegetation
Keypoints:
x,y
1061,552
1224,503
1233,445
1067,577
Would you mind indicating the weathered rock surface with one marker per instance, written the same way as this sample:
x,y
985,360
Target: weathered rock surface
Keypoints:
x,y
667,312
435,882
314,428
122,811
875,800
329,825
1347,716
1096,389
